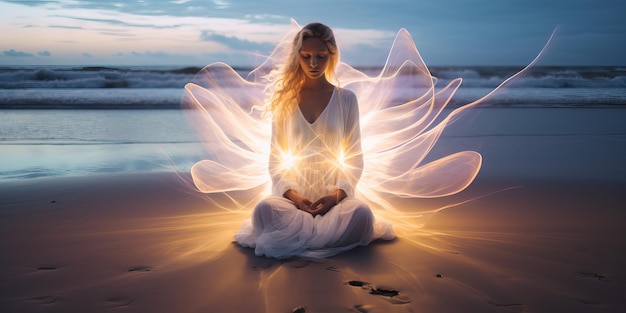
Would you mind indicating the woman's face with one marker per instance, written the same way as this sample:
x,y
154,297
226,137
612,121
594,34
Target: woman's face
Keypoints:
x,y
314,57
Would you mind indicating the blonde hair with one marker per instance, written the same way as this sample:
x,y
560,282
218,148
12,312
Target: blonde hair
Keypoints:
x,y
287,80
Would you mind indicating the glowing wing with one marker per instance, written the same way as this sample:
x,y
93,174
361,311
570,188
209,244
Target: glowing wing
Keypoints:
x,y
400,122
398,111
397,107
221,106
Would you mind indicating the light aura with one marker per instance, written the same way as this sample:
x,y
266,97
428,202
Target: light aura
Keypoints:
x,y
400,115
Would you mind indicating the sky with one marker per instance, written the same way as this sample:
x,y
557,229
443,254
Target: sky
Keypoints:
x,y
240,33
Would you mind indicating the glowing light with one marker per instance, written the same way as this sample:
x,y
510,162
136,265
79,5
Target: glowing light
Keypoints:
x,y
341,160
400,123
288,160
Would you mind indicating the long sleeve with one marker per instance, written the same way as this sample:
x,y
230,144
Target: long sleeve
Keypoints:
x,y
279,163
351,157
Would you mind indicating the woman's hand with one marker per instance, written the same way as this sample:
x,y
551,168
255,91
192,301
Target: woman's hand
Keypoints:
x,y
327,202
300,201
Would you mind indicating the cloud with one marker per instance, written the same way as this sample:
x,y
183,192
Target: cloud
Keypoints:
x,y
130,23
219,4
87,55
446,32
44,53
149,54
234,42
115,33
32,2
65,27
275,17
13,53
149,8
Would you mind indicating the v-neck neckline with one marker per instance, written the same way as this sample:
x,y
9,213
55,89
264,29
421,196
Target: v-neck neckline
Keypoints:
x,y
332,95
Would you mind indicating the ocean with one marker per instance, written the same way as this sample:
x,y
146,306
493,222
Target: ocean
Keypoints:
x,y
67,121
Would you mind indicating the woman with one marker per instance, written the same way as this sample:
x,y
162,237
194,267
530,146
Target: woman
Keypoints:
x,y
315,160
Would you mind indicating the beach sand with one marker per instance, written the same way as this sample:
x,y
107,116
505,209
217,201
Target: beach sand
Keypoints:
x,y
538,237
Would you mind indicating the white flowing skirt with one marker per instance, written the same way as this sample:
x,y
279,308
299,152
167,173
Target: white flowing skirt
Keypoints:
x,y
279,230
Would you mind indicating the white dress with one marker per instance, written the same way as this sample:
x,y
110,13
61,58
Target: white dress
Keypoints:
x,y
314,159
403,118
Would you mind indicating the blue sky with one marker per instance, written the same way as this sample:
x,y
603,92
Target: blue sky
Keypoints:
x,y
198,32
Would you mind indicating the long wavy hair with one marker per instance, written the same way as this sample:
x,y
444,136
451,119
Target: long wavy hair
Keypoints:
x,y
288,78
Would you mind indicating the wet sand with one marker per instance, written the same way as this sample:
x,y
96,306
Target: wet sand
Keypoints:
x,y
144,243
531,238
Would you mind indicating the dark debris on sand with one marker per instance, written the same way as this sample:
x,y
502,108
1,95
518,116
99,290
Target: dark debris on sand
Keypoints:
x,y
391,295
299,309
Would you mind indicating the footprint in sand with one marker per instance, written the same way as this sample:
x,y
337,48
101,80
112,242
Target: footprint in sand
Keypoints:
x,y
49,267
366,308
592,275
511,307
390,295
299,309
116,302
140,269
44,299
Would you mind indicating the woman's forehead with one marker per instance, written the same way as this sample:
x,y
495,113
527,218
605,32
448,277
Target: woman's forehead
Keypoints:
x,y
313,44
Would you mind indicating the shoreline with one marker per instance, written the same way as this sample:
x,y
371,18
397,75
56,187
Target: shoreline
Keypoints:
x,y
173,103
548,144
